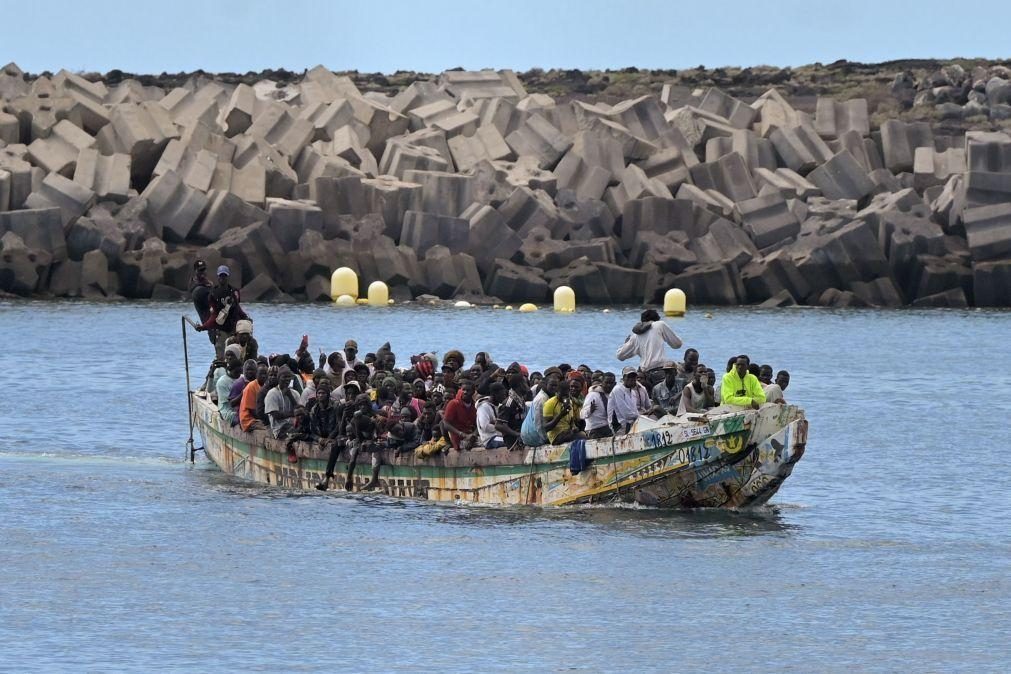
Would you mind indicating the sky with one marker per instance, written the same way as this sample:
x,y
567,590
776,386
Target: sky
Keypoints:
x,y
435,35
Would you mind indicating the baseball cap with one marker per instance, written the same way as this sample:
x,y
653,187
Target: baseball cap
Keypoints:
x,y
628,370
351,344
223,269
670,365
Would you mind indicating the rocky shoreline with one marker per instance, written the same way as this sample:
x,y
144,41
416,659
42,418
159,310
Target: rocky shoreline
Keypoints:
x,y
838,185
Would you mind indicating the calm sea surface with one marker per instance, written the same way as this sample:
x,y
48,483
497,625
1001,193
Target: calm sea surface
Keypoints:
x,y
889,548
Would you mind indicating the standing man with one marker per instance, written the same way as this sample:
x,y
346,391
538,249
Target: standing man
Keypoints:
x,y
225,311
740,387
200,292
647,341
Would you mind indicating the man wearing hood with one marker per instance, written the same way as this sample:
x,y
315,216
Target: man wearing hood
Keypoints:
x,y
647,341
740,387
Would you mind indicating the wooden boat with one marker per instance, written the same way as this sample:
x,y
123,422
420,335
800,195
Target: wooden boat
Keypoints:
x,y
729,458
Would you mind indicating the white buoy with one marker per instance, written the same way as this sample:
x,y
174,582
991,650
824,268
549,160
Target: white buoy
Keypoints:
x,y
528,307
379,294
345,301
565,299
344,281
674,302
462,304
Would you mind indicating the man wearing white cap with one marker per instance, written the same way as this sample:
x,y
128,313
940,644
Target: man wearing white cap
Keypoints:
x,y
243,337
225,311
627,402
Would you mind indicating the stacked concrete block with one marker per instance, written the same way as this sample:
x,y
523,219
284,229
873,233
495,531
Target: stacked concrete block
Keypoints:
x,y
634,184
842,177
21,175
107,176
57,153
774,112
671,166
39,229
287,134
10,130
23,270
586,180
57,191
226,211
835,118
739,114
289,220
729,175
526,209
725,242
400,158
442,192
789,183
390,198
857,145
768,220
141,130
189,107
173,207
931,167
423,230
659,215
643,117
482,84
583,219
988,230
490,237
485,144
538,138
800,147
899,141
328,117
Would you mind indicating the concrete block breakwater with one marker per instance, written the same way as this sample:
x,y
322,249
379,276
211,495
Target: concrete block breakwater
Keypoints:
x,y
466,186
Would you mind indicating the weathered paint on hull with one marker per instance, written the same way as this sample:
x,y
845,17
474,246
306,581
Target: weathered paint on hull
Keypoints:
x,y
736,459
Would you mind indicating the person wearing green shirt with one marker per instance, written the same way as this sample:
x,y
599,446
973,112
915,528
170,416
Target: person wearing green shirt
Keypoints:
x,y
741,388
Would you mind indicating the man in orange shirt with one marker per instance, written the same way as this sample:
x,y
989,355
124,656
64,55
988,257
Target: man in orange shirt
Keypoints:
x,y
247,406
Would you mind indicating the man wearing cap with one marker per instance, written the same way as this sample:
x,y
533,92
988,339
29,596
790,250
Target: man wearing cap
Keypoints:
x,y
200,292
667,394
627,402
244,338
647,341
225,311
351,353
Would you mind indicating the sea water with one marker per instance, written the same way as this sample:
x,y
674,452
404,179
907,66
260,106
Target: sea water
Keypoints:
x,y
887,549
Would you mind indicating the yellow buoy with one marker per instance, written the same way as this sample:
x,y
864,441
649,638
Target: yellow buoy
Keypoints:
x,y
509,307
674,302
565,299
361,301
528,307
379,294
345,301
390,303
343,281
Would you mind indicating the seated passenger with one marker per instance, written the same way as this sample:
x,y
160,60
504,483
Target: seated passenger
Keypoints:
x,y
281,406
561,416
594,410
403,436
231,374
235,395
697,397
460,419
740,387
261,397
248,419
628,401
489,428
667,394
774,390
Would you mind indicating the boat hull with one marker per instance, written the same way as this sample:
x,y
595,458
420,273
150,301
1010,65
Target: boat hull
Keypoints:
x,y
732,459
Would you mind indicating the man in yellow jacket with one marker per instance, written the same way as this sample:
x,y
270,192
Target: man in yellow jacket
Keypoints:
x,y
740,387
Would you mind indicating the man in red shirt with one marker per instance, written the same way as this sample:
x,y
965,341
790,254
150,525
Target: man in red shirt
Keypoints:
x,y
460,419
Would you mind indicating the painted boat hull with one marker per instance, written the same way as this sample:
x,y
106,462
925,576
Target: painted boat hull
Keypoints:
x,y
729,459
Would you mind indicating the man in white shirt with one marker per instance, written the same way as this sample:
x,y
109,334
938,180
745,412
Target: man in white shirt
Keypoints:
x,y
594,410
487,418
628,401
647,341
